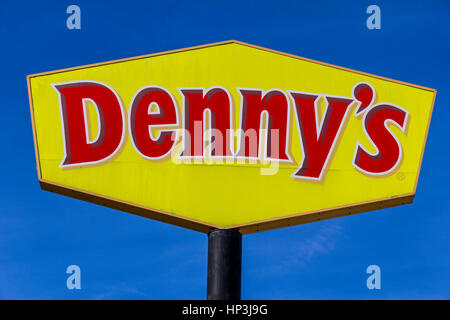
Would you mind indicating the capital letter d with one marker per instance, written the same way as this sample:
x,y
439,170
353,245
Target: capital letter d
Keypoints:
x,y
78,149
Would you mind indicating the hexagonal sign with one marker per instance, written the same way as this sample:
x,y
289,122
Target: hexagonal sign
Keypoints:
x,y
229,135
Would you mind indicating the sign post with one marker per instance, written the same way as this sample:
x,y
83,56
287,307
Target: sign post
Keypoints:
x,y
224,264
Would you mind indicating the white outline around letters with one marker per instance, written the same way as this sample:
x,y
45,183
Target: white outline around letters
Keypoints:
x,y
262,154
402,129
55,85
155,125
338,133
205,141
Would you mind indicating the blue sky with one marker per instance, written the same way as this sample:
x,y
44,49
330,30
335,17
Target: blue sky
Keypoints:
x,y
127,257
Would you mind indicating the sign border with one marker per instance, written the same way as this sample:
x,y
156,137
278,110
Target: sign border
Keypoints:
x,y
247,228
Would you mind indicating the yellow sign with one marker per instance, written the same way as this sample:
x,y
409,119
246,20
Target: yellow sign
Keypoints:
x,y
229,135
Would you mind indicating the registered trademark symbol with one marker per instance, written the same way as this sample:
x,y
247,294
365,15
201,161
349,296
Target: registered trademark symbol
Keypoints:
x,y
401,176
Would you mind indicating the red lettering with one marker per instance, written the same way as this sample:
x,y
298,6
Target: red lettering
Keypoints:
x,y
142,121
78,149
364,93
212,108
275,104
389,151
196,103
318,142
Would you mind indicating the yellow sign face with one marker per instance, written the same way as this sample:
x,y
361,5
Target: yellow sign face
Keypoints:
x,y
229,135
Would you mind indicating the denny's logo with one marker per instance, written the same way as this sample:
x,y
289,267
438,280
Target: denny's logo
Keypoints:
x,y
319,135
191,136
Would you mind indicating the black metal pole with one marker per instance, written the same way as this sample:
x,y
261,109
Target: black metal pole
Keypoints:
x,y
224,264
